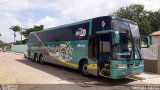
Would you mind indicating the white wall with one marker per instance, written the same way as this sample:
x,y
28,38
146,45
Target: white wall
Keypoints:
x,y
150,53
155,40
19,48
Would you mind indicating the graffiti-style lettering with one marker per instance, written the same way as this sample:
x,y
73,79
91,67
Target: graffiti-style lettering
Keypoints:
x,y
63,51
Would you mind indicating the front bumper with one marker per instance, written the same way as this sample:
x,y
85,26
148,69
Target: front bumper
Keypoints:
x,y
117,73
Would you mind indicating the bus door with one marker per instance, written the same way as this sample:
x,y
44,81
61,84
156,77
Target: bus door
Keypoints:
x,y
104,53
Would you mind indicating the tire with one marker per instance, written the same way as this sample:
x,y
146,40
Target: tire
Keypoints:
x,y
25,56
36,58
41,59
84,68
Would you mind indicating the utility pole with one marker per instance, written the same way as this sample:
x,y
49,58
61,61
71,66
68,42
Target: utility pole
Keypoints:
x,y
14,37
21,34
0,35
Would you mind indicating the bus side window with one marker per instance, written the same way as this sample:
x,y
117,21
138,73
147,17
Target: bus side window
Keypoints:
x,y
92,52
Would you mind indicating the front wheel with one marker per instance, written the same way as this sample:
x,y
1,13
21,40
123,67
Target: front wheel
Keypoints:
x,y
84,68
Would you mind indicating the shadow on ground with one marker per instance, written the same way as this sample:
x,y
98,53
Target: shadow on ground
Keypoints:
x,y
74,76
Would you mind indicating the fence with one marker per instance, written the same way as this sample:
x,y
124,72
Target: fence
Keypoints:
x,y
19,48
150,53
151,58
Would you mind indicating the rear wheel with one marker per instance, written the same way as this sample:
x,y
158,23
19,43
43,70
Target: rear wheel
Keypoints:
x,y
41,59
25,56
36,58
84,68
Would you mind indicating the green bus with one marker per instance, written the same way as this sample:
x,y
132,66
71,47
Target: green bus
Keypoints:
x,y
104,46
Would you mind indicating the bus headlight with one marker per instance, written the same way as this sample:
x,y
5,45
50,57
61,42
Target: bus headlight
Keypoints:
x,y
121,65
141,64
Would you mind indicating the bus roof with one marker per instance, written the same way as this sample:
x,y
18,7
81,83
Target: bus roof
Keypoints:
x,y
122,19
62,26
84,21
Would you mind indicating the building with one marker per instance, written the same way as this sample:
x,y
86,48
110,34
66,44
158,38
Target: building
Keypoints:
x,y
155,38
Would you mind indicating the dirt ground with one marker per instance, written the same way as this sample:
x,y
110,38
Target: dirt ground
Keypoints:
x,y
15,69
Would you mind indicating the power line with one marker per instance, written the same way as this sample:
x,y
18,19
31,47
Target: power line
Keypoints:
x,y
2,3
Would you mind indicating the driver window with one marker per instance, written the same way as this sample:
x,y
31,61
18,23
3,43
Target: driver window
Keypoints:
x,y
104,46
124,44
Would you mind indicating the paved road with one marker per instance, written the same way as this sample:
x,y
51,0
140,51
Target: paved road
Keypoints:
x,y
14,69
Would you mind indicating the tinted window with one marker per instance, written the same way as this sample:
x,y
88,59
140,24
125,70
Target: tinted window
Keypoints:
x,y
76,32
101,23
32,39
65,34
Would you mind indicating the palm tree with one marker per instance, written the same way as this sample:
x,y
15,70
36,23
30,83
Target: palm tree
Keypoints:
x,y
15,29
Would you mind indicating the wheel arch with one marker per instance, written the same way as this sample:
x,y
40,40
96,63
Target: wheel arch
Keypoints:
x,y
35,54
81,61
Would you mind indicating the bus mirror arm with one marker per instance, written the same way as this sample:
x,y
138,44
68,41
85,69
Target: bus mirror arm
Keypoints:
x,y
116,37
147,42
115,34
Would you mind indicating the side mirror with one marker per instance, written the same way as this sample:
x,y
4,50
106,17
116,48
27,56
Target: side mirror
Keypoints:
x,y
115,34
116,37
146,42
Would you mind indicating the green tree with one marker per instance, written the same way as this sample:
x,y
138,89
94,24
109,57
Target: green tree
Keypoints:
x,y
155,20
1,43
15,29
33,29
136,12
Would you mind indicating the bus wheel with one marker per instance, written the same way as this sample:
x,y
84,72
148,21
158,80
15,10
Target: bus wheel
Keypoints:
x,y
41,59
36,58
25,56
84,68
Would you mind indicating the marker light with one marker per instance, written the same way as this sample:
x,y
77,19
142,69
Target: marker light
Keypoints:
x,y
141,64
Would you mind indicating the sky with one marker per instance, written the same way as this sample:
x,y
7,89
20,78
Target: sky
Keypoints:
x,y
50,13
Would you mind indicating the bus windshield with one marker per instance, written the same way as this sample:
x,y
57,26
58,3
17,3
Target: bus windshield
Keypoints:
x,y
128,48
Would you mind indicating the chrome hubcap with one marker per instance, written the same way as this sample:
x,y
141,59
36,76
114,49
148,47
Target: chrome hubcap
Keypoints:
x,y
41,60
85,68
36,59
